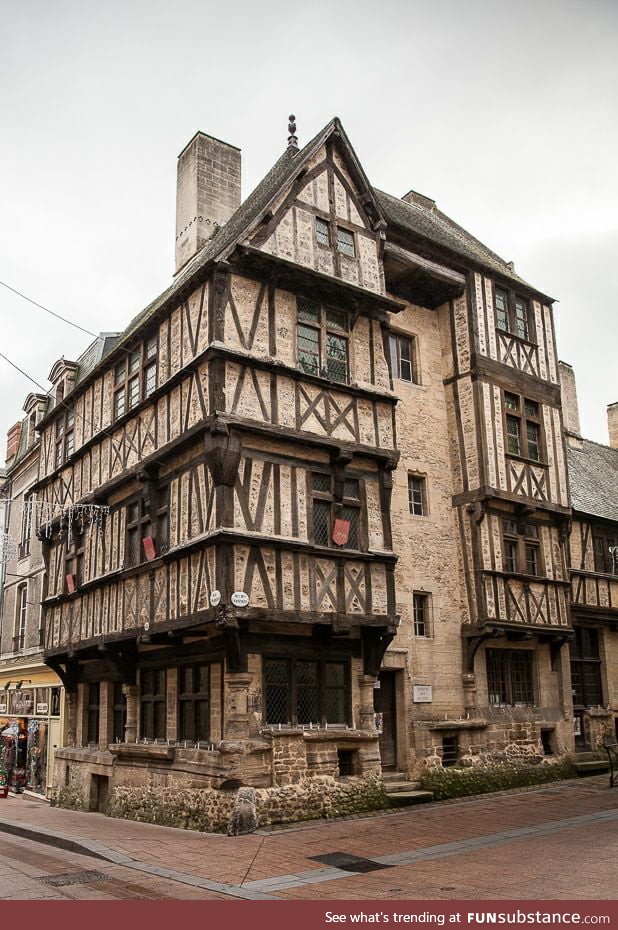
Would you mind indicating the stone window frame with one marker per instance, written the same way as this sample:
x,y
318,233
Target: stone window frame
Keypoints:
x,y
511,673
135,376
25,530
520,415
422,614
521,546
319,496
509,318
398,362
291,685
418,508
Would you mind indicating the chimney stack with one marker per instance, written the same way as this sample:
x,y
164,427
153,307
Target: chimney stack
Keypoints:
x,y
570,407
612,424
12,440
207,193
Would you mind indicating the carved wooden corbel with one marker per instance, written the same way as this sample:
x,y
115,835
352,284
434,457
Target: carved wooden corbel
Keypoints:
x,y
340,459
376,641
222,451
472,645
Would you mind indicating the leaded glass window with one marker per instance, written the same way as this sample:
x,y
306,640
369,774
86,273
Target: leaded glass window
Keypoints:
x,y
304,691
322,341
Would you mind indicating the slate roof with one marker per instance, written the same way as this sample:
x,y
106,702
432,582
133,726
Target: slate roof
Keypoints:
x,y
424,219
593,479
430,223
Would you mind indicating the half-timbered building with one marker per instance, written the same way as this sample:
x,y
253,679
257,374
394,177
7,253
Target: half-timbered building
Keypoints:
x,y
332,473
593,561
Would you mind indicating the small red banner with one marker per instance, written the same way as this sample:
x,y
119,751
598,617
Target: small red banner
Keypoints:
x,y
341,532
149,548
71,584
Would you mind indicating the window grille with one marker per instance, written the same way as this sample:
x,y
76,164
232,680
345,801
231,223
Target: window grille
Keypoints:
x,y
326,511
153,704
450,751
119,713
586,668
509,677
305,691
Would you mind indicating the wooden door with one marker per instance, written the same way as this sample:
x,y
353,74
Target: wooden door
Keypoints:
x,y
386,705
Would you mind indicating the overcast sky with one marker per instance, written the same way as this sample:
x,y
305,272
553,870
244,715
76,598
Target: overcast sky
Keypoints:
x,y
504,112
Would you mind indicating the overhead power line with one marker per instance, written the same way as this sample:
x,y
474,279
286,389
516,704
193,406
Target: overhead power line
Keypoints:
x,y
35,303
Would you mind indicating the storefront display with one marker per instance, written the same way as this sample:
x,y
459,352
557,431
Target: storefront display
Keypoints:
x,y
26,718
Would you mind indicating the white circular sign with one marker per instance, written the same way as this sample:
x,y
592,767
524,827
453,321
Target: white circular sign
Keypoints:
x,y
240,599
147,625
215,598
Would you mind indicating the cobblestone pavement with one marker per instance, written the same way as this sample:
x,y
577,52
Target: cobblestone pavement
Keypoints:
x,y
551,842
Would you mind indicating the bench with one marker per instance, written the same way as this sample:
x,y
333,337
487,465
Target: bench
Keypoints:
x,y
611,748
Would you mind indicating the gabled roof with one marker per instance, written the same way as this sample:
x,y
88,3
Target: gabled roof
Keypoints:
x,y
420,218
593,479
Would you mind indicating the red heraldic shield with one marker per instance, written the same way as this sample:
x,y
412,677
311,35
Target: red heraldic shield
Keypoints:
x,y
341,532
70,583
149,547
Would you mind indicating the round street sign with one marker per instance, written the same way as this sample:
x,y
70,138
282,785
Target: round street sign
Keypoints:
x,y
215,598
240,599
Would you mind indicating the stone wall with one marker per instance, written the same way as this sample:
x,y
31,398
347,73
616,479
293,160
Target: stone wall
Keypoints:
x,y
209,810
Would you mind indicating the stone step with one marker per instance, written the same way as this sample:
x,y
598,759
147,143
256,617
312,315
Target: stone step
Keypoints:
x,y
396,787
393,776
591,766
404,798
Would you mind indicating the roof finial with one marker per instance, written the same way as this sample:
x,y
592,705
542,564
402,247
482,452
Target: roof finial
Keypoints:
x,y
292,138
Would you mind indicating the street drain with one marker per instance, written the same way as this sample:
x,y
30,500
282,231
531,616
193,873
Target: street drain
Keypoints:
x,y
349,863
73,878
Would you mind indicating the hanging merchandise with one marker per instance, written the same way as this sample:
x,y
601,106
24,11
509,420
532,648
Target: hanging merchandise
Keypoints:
x,y
14,755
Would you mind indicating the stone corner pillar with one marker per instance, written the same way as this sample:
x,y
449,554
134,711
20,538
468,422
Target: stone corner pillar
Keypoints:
x,y
71,699
236,718
367,711
130,727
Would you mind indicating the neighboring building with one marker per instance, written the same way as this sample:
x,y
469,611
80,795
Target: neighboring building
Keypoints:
x,y
593,479
334,460
30,691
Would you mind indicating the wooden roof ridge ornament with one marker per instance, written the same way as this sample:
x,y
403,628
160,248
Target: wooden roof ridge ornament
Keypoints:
x,y
292,138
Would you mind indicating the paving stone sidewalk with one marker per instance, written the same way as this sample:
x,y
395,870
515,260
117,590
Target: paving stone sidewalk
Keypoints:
x,y
494,846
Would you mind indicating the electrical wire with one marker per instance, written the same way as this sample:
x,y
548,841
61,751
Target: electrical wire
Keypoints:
x,y
62,403
46,309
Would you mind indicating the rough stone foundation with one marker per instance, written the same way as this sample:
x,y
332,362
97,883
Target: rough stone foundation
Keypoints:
x,y
208,809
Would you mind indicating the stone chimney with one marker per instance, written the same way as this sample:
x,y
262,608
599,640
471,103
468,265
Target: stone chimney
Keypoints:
x,y
420,199
612,424
570,407
12,440
207,193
